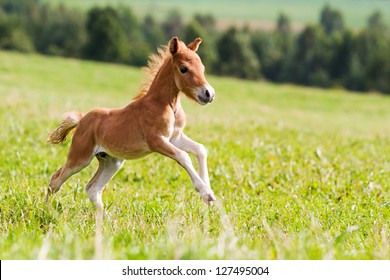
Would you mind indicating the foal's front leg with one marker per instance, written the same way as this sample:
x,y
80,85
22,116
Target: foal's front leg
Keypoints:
x,y
163,146
185,143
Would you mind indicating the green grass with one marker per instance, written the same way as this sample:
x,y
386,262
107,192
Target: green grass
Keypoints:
x,y
299,173
356,12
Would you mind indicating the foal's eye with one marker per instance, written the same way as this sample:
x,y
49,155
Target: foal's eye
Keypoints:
x,y
183,69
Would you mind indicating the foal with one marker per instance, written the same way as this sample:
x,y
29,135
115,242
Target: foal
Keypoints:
x,y
153,122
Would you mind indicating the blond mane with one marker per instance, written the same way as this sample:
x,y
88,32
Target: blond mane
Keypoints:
x,y
154,64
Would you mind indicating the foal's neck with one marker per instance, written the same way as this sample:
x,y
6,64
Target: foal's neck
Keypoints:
x,y
163,88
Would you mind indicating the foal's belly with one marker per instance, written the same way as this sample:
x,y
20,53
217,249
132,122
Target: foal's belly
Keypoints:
x,y
131,154
124,152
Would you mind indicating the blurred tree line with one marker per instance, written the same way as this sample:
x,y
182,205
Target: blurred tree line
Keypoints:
x,y
326,54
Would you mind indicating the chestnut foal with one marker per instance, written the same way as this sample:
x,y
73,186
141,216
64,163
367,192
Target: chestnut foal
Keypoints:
x,y
153,122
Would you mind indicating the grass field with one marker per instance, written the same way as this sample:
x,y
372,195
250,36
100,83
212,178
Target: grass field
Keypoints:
x,y
299,173
256,12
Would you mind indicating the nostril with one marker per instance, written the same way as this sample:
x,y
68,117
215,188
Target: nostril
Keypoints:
x,y
207,93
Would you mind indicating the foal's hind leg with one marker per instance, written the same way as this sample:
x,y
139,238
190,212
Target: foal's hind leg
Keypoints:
x,y
63,174
108,166
77,160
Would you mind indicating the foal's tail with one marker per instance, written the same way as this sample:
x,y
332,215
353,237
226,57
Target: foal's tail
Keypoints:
x,y
69,122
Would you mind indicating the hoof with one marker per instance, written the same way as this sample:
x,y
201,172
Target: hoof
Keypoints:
x,y
208,198
49,193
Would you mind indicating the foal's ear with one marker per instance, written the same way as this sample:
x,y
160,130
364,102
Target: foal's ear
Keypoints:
x,y
195,44
174,45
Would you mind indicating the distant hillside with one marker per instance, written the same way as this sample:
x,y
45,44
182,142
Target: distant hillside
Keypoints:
x,y
255,12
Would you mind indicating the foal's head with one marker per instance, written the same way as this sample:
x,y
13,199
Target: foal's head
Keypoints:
x,y
189,71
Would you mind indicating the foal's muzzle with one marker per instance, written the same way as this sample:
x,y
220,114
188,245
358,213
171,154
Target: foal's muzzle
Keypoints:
x,y
206,95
